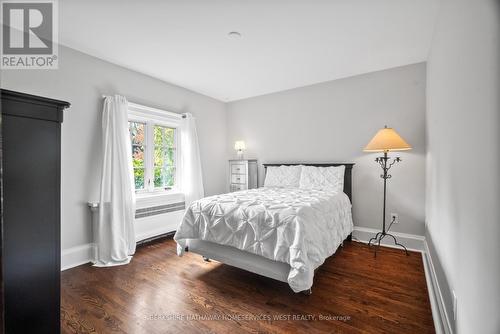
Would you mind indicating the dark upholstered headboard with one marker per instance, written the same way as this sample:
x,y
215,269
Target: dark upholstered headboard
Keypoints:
x,y
347,174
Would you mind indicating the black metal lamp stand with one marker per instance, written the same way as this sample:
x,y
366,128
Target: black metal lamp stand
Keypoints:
x,y
386,165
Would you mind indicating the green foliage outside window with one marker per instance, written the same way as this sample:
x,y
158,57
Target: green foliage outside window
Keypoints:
x,y
137,137
164,155
163,173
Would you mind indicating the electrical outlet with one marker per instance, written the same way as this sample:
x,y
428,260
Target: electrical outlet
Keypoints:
x,y
395,218
455,304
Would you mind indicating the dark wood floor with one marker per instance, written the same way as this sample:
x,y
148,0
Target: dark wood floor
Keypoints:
x,y
159,291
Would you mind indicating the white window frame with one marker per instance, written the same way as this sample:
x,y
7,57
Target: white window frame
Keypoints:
x,y
151,117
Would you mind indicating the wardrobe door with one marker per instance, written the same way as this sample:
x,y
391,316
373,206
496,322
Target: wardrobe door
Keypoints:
x,y
31,163
2,312
31,176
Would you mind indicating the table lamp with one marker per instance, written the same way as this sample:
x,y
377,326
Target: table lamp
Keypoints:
x,y
239,146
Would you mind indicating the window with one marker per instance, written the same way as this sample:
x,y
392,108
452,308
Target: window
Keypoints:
x,y
164,156
153,135
138,139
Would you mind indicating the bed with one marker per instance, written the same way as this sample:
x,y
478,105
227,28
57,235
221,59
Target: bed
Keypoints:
x,y
284,233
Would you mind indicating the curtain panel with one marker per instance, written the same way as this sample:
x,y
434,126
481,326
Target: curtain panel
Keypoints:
x,y
115,229
190,164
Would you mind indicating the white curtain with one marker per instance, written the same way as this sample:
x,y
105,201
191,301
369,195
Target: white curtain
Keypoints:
x,y
190,168
115,229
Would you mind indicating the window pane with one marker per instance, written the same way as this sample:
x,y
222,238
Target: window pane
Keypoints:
x,y
139,178
137,156
137,132
164,156
164,136
164,177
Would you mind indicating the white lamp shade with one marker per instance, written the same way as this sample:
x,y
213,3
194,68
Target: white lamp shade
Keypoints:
x,y
239,145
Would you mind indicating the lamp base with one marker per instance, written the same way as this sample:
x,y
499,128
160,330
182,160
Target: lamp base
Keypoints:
x,y
378,238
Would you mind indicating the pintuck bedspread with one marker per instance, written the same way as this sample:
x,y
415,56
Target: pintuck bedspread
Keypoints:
x,y
296,226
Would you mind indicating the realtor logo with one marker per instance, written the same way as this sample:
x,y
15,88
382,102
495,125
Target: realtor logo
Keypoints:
x,y
29,35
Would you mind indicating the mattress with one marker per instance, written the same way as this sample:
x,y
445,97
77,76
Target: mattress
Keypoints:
x,y
299,227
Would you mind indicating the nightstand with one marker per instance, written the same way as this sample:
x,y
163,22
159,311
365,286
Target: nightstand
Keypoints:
x,y
242,174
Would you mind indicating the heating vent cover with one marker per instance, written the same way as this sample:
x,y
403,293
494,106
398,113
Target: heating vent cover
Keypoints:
x,y
158,210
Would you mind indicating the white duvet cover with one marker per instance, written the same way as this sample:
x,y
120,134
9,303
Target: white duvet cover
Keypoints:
x,y
297,226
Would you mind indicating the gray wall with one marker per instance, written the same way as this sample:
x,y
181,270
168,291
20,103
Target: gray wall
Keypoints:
x,y
81,80
333,121
463,158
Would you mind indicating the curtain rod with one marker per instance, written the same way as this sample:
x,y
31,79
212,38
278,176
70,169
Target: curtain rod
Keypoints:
x,y
150,108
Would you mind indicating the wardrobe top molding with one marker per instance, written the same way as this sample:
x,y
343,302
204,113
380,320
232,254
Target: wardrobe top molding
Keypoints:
x,y
50,109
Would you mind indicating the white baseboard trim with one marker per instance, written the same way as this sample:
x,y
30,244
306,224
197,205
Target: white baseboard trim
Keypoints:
x,y
442,323
76,256
411,241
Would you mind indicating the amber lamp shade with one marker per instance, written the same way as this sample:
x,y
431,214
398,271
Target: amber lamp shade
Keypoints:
x,y
387,139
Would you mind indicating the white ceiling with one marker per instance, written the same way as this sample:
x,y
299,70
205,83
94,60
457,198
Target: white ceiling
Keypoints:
x,y
285,43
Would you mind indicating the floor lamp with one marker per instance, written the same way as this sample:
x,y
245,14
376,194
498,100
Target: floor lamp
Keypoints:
x,y
386,140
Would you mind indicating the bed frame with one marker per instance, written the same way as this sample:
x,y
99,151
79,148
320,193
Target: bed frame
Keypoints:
x,y
255,263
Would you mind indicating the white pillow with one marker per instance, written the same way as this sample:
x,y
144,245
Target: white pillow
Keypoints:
x,y
283,176
322,178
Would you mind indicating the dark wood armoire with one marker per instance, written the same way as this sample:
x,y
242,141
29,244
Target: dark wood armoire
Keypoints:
x,y
31,182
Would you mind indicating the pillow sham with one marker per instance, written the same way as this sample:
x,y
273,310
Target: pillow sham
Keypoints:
x,y
322,178
283,176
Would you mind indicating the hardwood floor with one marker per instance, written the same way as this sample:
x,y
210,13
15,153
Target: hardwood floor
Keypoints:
x,y
158,291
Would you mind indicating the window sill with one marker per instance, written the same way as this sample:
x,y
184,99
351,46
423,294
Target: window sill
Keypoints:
x,y
144,200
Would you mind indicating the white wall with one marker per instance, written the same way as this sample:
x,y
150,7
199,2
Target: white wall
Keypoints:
x,y
332,122
463,158
81,80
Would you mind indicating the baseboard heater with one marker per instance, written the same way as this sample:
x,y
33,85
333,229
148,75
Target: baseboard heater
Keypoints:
x,y
145,242
149,211
159,209
142,213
